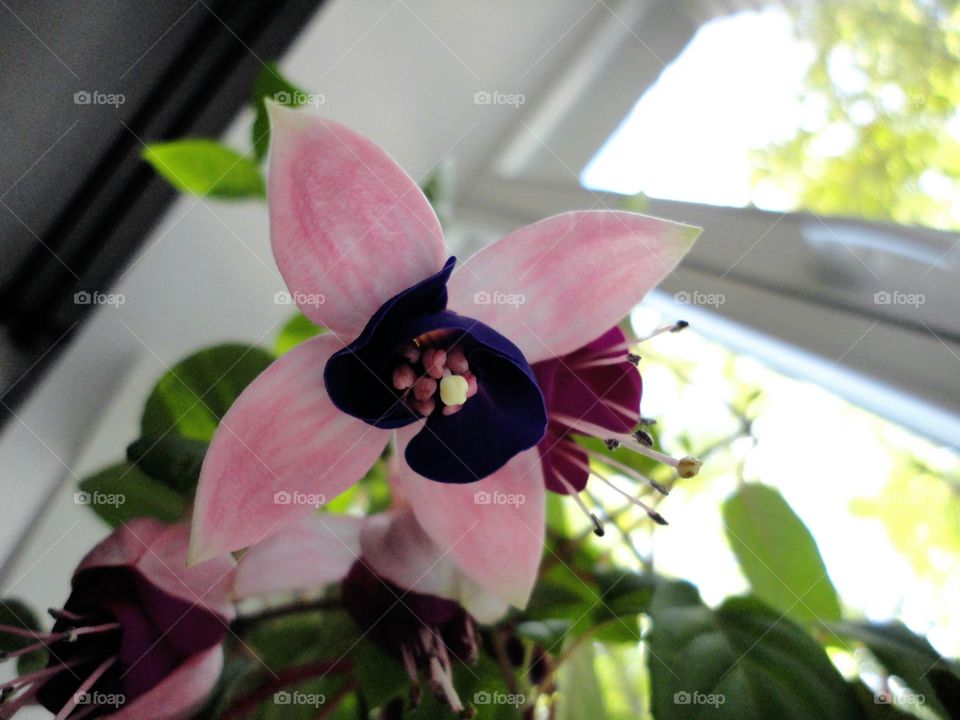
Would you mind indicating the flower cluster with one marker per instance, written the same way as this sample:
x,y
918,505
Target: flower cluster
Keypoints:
x,y
481,400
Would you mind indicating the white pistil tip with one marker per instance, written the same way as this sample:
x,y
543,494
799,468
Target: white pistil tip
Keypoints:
x,y
453,390
688,467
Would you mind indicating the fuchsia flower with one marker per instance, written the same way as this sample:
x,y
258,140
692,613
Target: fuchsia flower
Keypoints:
x,y
140,636
397,585
595,391
415,350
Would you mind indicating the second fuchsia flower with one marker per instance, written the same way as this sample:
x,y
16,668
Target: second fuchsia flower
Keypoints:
x,y
140,637
419,349
397,584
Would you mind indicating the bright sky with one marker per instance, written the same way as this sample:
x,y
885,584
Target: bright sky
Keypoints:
x,y
689,137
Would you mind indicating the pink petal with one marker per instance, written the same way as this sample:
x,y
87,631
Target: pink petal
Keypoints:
x,y
397,548
497,544
350,229
181,694
554,286
208,584
280,450
314,552
124,546
159,552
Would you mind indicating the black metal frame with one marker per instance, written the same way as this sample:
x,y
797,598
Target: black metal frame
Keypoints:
x,y
192,81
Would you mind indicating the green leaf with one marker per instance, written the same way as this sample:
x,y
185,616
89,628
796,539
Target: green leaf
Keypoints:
x,y
16,613
625,592
947,686
122,492
297,329
293,640
902,653
744,660
547,632
438,191
380,678
170,458
193,396
206,168
778,555
625,595
270,85
558,516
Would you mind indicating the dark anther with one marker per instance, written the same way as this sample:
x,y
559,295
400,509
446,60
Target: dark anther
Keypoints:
x,y
643,437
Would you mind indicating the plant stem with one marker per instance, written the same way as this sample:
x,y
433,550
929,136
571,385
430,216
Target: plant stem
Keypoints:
x,y
245,622
243,706
331,707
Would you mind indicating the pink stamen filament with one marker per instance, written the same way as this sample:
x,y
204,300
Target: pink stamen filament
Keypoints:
x,y
9,708
598,529
42,674
601,362
633,414
671,328
627,470
654,515
85,687
22,632
45,639
587,428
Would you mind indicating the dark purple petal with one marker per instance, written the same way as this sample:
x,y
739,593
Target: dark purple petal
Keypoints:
x,y
158,633
557,454
606,395
359,377
505,417
393,617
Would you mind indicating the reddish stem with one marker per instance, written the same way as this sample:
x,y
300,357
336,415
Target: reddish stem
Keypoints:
x,y
242,707
331,707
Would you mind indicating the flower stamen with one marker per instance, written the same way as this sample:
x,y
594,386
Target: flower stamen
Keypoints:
x,y
687,467
651,513
432,378
598,528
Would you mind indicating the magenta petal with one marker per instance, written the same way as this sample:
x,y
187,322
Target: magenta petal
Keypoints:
x,y
282,450
313,552
181,694
350,229
554,286
493,529
159,553
562,458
